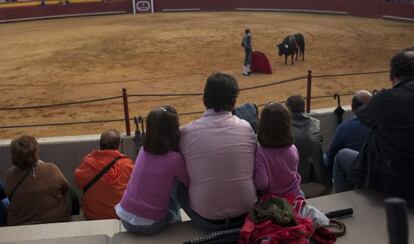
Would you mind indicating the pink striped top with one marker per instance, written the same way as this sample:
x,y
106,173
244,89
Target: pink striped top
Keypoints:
x,y
276,171
219,151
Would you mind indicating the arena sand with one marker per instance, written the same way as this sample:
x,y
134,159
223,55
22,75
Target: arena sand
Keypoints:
x,y
64,60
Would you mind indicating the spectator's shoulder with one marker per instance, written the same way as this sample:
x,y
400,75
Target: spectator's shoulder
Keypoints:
x,y
187,127
176,156
10,171
315,120
241,122
126,159
293,148
49,166
343,126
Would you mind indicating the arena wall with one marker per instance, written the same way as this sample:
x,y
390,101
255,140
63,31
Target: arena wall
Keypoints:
x,y
59,10
360,8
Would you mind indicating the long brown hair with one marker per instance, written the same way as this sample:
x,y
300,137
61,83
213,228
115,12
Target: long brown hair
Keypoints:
x,y
163,132
275,129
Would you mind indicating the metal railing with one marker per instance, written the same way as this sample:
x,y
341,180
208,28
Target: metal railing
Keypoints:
x,y
125,103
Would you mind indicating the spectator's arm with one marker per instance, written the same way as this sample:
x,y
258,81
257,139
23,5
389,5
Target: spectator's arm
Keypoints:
x,y
60,178
336,145
182,175
317,133
261,176
2,192
82,176
128,166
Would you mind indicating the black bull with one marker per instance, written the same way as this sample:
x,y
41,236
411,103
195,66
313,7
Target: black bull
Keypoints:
x,y
291,45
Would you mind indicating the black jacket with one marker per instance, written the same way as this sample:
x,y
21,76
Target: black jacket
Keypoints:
x,y
386,162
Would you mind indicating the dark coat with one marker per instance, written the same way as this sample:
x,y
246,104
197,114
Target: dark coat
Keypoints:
x,y
308,140
386,162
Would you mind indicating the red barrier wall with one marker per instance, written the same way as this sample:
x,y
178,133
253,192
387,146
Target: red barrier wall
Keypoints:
x,y
68,9
361,8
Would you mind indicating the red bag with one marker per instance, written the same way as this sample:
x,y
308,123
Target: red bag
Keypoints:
x,y
272,233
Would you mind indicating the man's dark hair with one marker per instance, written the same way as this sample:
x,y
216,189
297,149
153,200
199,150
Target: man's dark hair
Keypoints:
x,y
402,65
296,104
275,129
24,152
110,140
247,31
220,92
163,132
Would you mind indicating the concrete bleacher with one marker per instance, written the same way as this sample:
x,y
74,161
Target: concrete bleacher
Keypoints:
x,y
367,225
67,152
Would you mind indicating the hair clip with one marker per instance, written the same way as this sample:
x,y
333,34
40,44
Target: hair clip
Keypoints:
x,y
163,109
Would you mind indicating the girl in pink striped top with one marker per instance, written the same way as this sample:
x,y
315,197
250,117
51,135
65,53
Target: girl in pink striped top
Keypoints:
x,y
277,159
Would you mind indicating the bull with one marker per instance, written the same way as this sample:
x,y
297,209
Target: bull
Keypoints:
x,y
291,45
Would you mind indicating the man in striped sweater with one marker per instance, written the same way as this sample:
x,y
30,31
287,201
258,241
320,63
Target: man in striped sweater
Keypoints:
x,y
219,152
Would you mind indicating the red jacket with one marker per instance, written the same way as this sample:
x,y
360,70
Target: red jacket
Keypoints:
x,y
100,200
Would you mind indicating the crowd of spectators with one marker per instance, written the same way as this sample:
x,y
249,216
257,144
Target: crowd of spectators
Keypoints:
x,y
215,168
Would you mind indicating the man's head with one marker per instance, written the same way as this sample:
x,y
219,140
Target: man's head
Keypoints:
x,y
296,104
402,66
360,98
247,31
220,92
110,140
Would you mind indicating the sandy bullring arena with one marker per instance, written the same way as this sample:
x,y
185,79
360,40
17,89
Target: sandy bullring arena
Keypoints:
x,y
74,59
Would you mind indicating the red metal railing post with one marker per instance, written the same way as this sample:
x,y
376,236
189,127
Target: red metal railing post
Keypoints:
x,y
126,111
309,92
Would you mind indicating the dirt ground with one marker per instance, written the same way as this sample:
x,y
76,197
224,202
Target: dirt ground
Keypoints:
x,y
64,60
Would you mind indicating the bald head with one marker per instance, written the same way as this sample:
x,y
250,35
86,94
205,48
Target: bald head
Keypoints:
x,y
110,140
360,98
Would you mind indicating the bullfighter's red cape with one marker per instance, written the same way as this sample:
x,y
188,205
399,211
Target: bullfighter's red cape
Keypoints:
x,y
260,63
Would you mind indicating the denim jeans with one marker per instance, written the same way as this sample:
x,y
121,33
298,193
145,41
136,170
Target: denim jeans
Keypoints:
x,y
173,216
341,169
154,228
200,222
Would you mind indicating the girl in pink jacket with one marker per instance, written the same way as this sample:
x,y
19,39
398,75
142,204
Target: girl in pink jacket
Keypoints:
x,y
277,159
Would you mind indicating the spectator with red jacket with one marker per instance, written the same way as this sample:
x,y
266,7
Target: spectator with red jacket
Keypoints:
x,y
100,198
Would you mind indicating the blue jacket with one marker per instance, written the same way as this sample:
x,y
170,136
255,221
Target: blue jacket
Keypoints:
x,y
350,134
4,203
